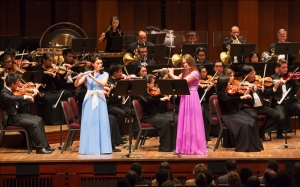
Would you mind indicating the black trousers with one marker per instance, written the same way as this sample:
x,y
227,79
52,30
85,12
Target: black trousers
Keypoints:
x,y
292,109
272,114
163,122
120,112
34,126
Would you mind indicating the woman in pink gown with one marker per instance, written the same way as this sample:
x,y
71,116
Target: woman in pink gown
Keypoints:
x,y
190,131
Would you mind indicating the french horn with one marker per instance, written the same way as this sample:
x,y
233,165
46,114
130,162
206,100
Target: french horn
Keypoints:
x,y
225,57
129,58
176,60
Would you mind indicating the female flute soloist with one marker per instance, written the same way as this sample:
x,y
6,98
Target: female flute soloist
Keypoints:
x,y
190,132
95,135
242,126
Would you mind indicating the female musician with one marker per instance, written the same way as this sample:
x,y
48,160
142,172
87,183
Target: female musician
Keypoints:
x,y
242,126
190,131
160,121
113,30
95,137
254,57
207,87
141,71
51,94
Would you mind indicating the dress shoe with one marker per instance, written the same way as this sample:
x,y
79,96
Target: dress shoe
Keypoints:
x,y
279,136
116,150
263,138
43,151
50,149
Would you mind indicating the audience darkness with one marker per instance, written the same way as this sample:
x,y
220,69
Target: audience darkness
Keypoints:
x,y
234,179
201,180
296,174
253,181
283,179
269,178
132,177
245,173
137,167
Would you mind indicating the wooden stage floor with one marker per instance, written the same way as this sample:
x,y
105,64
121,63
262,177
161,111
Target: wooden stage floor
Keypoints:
x,y
150,152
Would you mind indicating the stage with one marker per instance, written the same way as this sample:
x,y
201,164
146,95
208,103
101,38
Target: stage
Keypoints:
x,y
17,164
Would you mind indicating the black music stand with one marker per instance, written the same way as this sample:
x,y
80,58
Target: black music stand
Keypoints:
x,y
260,66
29,43
117,43
241,50
128,40
173,87
191,48
83,45
33,76
287,48
12,41
156,52
285,145
130,88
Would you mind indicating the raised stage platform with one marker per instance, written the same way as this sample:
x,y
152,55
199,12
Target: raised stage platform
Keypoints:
x,y
73,169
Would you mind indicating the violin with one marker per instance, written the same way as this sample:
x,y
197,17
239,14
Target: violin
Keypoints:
x,y
81,63
291,76
233,89
205,82
59,69
154,92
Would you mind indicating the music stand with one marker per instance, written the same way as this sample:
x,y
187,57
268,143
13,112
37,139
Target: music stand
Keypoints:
x,y
260,66
156,51
128,40
173,87
287,48
191,48
83,45
285,145
130,88
241,50
33,76
117,43
12,41
29,43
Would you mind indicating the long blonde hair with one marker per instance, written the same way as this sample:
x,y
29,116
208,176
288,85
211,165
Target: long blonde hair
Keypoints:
x,y
190,61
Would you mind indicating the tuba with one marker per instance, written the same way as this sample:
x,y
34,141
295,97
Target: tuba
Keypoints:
x,y
176,60
128,57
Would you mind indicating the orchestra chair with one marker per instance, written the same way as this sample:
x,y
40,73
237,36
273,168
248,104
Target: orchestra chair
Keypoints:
x,y
73,126
213,119
11,128
75,113
219,117
143,127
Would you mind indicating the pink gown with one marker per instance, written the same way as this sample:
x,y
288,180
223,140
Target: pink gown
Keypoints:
x,y
190,131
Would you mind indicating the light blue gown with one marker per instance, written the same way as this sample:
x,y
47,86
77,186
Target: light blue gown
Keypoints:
x,y
95,129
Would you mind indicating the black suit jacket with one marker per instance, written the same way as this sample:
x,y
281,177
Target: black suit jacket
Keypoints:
x,y
133,46
289,58
8,104
137,63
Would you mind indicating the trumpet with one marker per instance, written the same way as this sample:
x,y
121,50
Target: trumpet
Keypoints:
x,y
158,70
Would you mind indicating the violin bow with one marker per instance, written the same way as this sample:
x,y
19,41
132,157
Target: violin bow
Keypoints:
x,y
263,83
207,88
21,58
84,56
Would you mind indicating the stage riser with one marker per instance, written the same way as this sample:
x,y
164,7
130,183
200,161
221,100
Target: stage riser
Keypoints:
x,y
85,174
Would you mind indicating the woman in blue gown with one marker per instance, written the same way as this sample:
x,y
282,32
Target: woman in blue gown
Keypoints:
x,y
95,129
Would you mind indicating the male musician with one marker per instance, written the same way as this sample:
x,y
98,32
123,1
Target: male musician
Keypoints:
x,y
10,106
114,103
254,106
234,33
65,80
290,105
141,41
282,38
191,39
143,61
218,67
6,63
201,57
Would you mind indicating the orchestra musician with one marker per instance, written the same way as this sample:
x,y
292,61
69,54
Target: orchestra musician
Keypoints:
x,y
114,102
190,132
290,106
51,93
66,80
242,126
113,30
207,87
141,71
218,67
282,38
10,105
141,41
191,38
95,135
255,106
254,57
6,63
201,57
143,61
164,123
